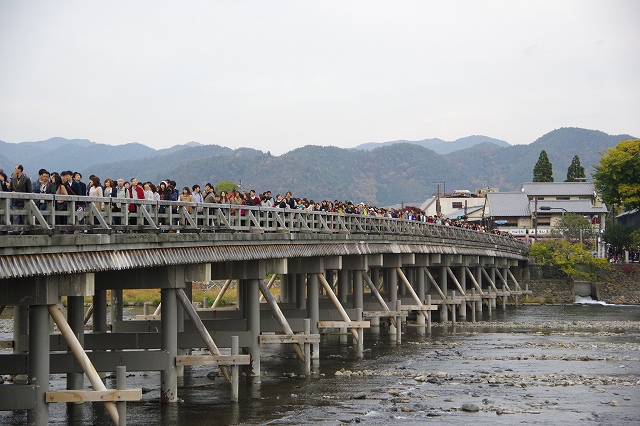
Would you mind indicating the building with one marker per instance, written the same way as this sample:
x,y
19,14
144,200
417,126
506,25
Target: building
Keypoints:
x,y
538,207
457,204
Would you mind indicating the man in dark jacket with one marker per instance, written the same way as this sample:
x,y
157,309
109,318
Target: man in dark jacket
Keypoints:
x,y
20,182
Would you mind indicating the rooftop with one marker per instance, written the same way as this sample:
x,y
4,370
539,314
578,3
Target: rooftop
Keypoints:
x,y
558,188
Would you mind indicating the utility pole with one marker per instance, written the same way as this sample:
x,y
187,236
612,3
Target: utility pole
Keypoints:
x,y
535,221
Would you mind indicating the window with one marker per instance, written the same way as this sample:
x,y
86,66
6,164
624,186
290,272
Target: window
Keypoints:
x,y
456,204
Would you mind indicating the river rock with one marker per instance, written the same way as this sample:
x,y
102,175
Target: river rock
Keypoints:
x,y
473,408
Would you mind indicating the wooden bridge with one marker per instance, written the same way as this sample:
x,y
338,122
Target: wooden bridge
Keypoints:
x,y
336,272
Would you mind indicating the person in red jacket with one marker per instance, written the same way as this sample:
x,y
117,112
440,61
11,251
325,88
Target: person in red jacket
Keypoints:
x,y
136,192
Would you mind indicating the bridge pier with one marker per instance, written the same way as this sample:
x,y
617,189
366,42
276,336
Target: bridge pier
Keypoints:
x,y
38,366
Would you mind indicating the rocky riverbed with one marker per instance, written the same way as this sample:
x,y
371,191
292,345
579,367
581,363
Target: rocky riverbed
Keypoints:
x,y
532,365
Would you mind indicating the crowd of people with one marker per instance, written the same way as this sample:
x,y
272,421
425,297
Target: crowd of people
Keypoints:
x,y
71,183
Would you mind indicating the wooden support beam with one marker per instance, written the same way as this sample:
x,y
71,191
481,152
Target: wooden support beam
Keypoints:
x,y
290,338
434,283
109,395
473,280
202,330
390,314
379,298
338,306
407,284
82,358
344,324
455,280
219,360
271,301
493,285
219,297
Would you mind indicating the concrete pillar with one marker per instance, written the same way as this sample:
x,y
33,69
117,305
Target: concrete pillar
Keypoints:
x,y
20,331
116,308
301,292
75,318
100,311
358,290
442,281
478,276
169,343
313,309
252,305
38,363
292,288
313,303
284,288
420,283
343,285
461,275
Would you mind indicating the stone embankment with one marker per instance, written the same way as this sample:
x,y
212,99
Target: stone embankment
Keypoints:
x,y
619,284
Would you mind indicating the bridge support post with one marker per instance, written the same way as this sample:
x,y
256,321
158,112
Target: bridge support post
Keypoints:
x,y
301,294
75,318
20,331
343,285
169,338
116,308
252,305
462,279
442,278
313,309
478,276
38,363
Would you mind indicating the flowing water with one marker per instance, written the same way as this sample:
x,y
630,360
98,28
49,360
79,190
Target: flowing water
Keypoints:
x,y
570,364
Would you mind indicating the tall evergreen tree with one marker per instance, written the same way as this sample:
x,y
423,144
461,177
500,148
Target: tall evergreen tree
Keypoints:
x,y
543,170
575,172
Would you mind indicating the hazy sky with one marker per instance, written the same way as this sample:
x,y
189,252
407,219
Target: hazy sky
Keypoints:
x,y
276,75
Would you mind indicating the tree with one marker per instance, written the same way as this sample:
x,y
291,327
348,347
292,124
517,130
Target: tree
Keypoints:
x,y
573,226
617,178
573,259
619,236
543,170
575,172
226,185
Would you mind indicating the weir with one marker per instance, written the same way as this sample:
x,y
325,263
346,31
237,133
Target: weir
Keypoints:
x,y
337,273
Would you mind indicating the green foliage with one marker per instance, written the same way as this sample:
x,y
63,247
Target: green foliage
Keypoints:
x,y
617,178
618,235
635,238
573,259
543,170
226,185
575,172
572,226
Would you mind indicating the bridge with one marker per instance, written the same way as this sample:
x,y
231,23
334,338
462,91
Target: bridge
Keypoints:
x,y
336,272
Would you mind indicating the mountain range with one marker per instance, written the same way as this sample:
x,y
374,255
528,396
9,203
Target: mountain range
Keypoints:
x,y
376,173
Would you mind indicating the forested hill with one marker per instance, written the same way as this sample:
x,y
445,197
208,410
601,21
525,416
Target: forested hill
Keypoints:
x,y
389,174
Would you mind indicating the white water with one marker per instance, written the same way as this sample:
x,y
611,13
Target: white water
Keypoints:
x,y
582,300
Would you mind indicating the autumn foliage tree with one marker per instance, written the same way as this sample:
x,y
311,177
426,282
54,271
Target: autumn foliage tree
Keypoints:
x,y
617,178
573,259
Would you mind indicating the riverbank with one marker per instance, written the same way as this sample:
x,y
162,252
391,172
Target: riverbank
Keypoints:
x,y
619,284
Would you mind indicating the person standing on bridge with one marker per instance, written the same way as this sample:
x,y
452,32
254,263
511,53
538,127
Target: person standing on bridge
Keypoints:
x,y
20,182
135,193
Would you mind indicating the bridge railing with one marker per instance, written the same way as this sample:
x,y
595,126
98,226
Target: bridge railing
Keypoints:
x,y
49,214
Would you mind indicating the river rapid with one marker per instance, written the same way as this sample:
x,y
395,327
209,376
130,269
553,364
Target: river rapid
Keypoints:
x,y
562,364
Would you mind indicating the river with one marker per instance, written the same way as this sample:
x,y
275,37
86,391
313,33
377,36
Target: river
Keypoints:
x,y
560,364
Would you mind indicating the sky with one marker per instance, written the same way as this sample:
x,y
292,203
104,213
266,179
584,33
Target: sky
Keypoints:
x,y
277,75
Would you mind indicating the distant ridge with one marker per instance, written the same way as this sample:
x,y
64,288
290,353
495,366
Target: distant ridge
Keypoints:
x,y
388,174
440,146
